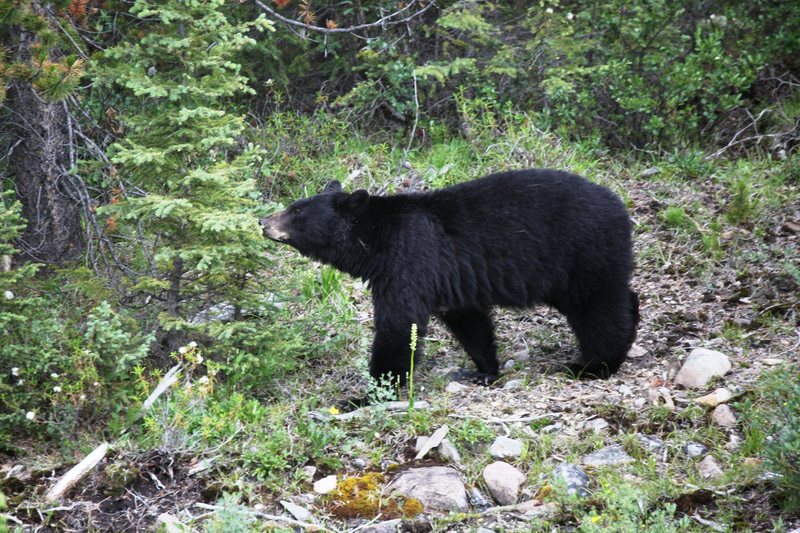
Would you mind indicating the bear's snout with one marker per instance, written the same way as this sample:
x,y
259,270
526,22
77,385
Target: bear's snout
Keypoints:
x,y
273,227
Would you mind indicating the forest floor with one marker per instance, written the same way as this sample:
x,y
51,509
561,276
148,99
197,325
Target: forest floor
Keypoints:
x,y
717,268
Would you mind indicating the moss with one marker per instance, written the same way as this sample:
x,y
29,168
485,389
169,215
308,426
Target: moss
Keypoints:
x,y
361,497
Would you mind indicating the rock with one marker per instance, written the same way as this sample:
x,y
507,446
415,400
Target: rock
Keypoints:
x,y
610,455
636,352
167,523
709,468
717,397
308,473
652,171
432,442
522,355
701,366
638,403
752,462
695,449
503,481
387,526
596,424
508,365
449,452
505,448
325,485
298,512
651,444
724,416
478,500
484,530
772,361
438,488
221,312
537,508
421,440
552,428
573,477
455,387
625,390
513,384
359,463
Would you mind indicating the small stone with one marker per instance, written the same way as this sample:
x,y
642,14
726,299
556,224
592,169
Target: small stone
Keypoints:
x,y
596,424
387,526
695,449
455,387
709,468
536,508
503,481
724,416
701,366
573,477
734,441
484,530
646,173
360,463
624,390
638,403
636,351
298,512
308,473
432,442
772,361
552,428
421,440
608,456
649,443
478,500
717,397
168,523
751,462
449,452
522,355
506,448
325,485
513,384
508,365
438,488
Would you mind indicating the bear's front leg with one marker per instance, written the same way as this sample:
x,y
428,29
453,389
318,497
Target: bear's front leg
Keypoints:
x,y
391,349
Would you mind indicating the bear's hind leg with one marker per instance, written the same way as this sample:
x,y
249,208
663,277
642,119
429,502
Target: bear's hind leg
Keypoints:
x,y
605,331
473,329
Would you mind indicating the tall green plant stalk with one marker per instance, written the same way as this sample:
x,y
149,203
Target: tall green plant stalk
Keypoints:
x,y
411,369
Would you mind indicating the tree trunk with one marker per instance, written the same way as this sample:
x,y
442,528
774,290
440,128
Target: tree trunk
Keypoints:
x,y
38,165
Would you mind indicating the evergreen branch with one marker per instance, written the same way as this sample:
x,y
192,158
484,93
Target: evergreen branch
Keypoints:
x,y
382,22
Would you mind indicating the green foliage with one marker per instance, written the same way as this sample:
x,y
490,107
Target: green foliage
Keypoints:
x,y
233,517
773,419
111,345
198,207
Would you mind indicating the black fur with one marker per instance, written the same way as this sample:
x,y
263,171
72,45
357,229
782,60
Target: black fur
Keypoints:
x,y
509,239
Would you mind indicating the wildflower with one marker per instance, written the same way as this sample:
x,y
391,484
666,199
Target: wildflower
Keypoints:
x,y
549,10
96,384
20,382
192,344
9,295
30,415
595,519
333,411
83,397
56,389
182,350
570,16
199,359
54,375
203,380
15,371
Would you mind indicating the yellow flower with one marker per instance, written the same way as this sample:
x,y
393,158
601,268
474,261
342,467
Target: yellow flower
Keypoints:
x,y
595,519
333,410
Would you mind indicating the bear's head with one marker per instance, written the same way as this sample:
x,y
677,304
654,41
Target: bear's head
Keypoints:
x,y
321,226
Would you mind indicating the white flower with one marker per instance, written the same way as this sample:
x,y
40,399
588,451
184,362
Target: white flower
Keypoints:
x,y
96,384
54,375
199,359
192,344
570,16
182,350
549,10
30,415
56,389
15,371
20,382
203,380
9,295
83,396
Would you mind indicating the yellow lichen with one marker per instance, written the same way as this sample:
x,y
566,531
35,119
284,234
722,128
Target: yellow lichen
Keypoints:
x,y
361,497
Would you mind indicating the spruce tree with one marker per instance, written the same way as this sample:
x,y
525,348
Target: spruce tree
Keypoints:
x,y
187,195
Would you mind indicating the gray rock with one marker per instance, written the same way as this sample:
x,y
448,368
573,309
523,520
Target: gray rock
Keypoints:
x,y
522,355
454,387
167,523
387,526
695,449
505,448
573,477
513,384
596,424
636,352
717,397
508,365
724,416
610,455
709,468
221,312
652,171
449,452
701,366
553,428
478,500
504,482
649,443
325,485
298,512
438,488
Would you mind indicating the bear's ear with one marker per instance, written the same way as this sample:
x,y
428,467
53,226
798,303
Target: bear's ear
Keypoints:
x,y
332,186
355,202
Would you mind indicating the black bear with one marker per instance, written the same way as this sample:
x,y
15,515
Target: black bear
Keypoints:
x,y
509,239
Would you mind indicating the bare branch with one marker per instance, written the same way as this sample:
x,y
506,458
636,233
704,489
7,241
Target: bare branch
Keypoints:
x,y
380,23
